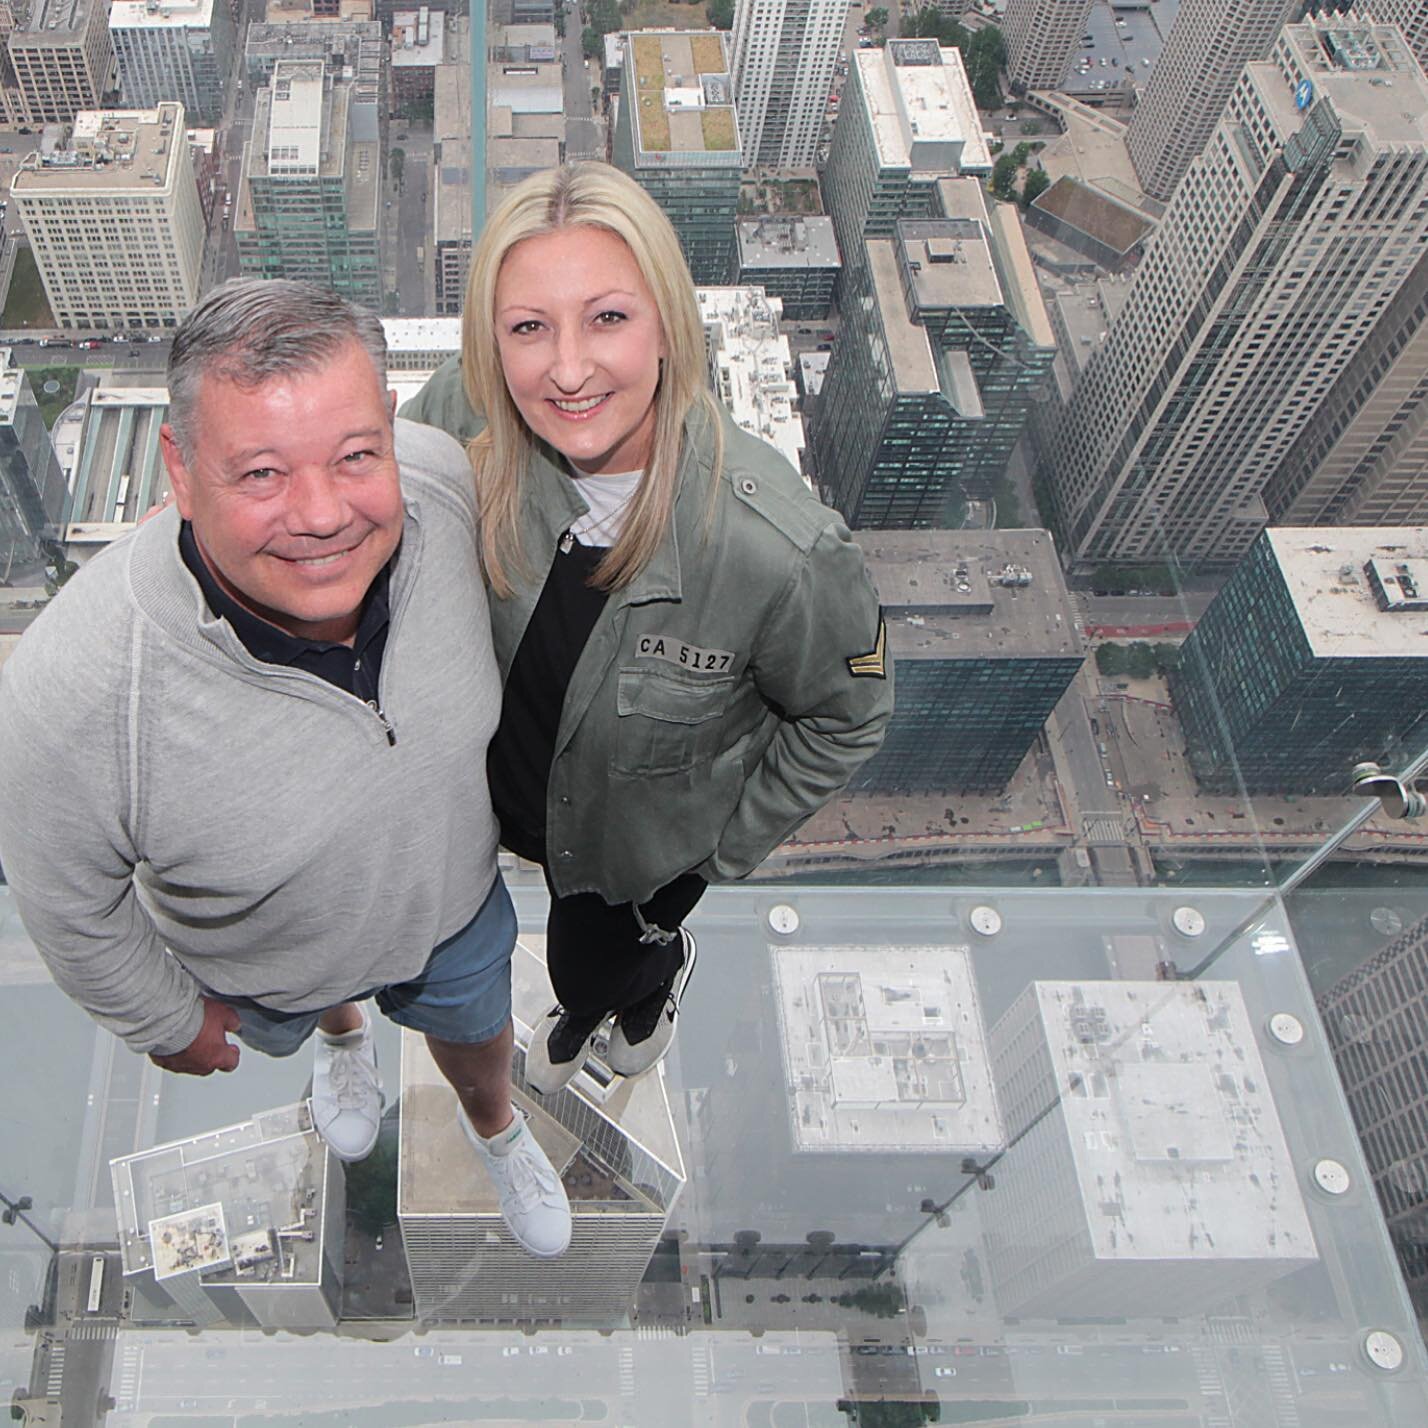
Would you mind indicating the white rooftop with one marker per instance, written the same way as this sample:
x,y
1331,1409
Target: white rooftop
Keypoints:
x,y
160,14
884,1050
295,129
923,114
240,1205
423,334
751,365
1166,1108
792,242
1326,571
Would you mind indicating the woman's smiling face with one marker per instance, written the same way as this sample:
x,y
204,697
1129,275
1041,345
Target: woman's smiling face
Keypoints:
x,y
580,343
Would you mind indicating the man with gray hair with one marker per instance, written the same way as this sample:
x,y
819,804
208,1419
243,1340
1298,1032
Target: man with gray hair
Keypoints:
x,y
283,689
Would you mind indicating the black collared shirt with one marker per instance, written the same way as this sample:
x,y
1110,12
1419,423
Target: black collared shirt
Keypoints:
x,y
354,668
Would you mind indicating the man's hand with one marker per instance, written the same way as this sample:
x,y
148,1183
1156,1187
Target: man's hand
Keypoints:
x,y
210,1050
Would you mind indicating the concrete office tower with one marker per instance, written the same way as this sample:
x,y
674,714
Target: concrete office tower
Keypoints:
x,y
751,366
1310,660
1209,46
792,259
1411,16
354,49
613,1145
984,636
1160,1174
174,49
944,347
1376,1019
784,53
62,58
676,135
1041,36
451,188
1289,237
243,1225
34,498
908,119
114,220
1362,459
311,190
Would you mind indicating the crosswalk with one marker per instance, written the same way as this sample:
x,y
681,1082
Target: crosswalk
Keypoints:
x,y
93,1329
700,1369
654,1331
131,1365
55,1381
1281,1387
627,1373
1212,1389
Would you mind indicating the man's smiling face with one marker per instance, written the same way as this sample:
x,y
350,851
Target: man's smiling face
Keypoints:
x,y
293,491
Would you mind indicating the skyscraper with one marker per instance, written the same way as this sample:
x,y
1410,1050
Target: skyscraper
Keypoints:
x,y
34,499
1209,45
62,58
1041,37
1148,1164
114,220
1287,240
908,119
676,135
784,52
945,343
1376,1019
984,636
1308,661
1411,16
614,1147
1362,460
310,190
182,49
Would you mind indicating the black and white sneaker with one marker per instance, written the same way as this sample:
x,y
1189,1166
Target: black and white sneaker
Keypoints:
x,y
645,1031
559,1046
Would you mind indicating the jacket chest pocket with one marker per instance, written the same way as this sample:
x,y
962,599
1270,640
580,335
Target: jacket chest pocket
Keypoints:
x,y
667,723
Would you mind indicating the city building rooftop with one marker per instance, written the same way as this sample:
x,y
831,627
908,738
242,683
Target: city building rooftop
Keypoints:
x,y
1167,1112
914,370
526,88
771,242
970,594
422,334
950,262
56,20
921,108
436,1165
683,98
884,1050
813,368
295,123
1359,591
160,14
418,46
11,380
119,471
752,366
109,150
1366,71
241,1205
1095,213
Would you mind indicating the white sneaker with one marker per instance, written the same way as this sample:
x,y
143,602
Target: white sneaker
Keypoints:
x,y
347,1091
533,1201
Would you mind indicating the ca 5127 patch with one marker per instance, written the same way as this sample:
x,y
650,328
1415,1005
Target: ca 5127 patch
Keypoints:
x,y
872,665
674,651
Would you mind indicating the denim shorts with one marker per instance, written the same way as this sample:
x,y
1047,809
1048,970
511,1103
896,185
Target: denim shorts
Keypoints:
x,y
463,994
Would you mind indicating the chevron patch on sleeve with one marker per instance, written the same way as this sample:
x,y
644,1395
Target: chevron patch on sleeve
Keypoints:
x,y
872,665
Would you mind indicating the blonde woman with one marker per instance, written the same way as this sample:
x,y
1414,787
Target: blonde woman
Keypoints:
x,y
692,653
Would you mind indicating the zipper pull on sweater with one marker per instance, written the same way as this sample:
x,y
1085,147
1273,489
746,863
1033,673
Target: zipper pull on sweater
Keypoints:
x,y
386,723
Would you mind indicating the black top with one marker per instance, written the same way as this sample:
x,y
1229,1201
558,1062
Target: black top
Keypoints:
x,y
519,758
355,668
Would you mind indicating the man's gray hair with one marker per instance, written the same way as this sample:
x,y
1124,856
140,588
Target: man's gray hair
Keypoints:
x,y
250,330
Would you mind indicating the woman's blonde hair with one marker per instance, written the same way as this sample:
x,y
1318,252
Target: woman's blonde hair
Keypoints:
x,y
596,196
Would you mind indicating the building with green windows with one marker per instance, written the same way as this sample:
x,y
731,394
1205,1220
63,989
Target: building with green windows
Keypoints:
x,y
983,636
677,136
310,191
1310,660
945,345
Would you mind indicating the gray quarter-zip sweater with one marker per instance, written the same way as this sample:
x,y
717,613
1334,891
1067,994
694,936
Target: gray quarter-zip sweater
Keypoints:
x,y
173,812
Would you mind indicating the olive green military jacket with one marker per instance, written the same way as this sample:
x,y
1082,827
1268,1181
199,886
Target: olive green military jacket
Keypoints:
x,y
724,695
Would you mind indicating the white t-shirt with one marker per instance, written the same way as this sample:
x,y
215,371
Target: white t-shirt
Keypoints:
x,y
609,499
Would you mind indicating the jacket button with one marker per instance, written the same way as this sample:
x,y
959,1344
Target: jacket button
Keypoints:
x,y
566,853
748,485
564,801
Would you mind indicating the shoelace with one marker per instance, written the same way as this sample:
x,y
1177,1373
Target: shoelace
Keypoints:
x,y
352,1078
527,1182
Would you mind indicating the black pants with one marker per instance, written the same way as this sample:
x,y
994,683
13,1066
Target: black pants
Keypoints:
x,y
593,951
